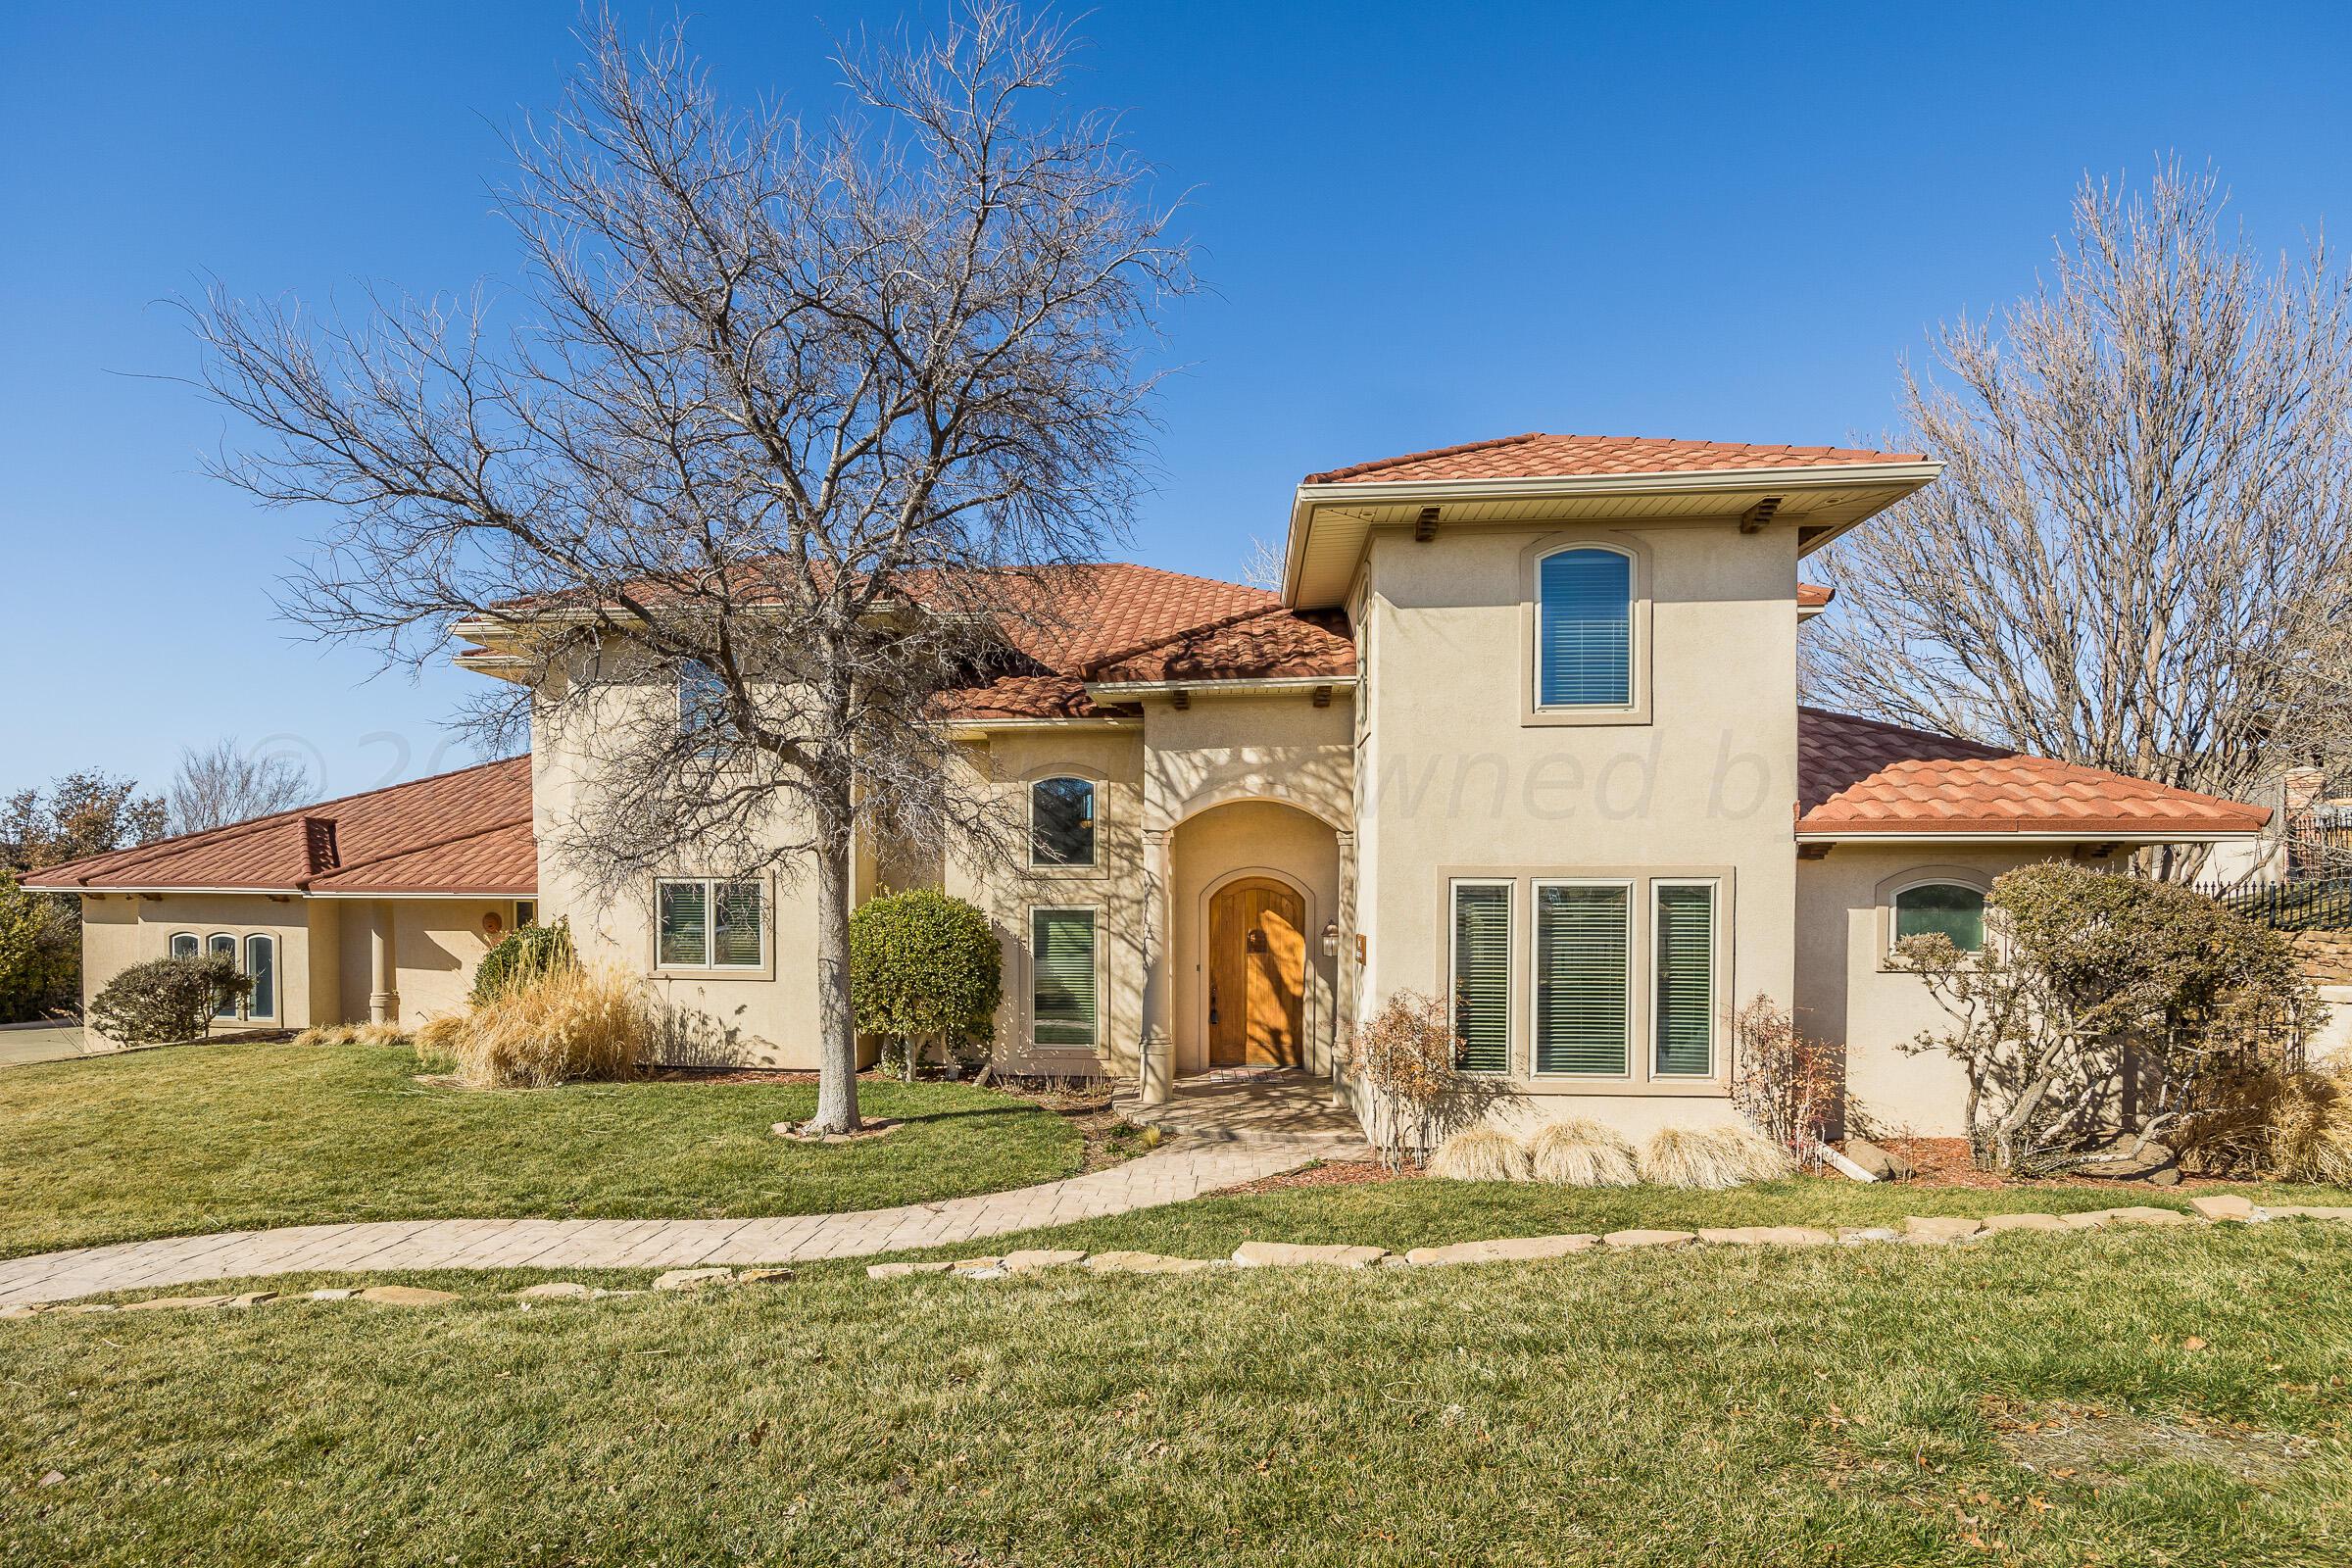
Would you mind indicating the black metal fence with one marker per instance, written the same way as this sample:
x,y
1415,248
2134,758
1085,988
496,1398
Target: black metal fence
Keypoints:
x,y
2324,905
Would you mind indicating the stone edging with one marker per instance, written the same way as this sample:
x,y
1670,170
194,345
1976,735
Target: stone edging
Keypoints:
x,y
1918,1230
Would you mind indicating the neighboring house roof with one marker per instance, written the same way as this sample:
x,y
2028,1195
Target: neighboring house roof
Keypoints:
x,y
1275,645
1536,456
1861,776
461,833
1813,596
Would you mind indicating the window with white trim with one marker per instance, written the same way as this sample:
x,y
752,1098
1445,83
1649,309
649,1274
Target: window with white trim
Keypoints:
x,y
1064,1005
1939,908
1583,980
1480,964
221,945
1585,628
1062,822
709,924
186,945
1683,969
260,962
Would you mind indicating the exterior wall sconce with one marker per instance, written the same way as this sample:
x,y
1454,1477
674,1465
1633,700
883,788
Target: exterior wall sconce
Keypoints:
x,y
1331,940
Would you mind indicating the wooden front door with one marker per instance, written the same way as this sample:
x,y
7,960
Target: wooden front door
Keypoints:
x,y
1257,975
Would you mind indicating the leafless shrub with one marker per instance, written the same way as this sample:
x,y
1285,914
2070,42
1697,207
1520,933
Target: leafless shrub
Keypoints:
x,y
1788,1082
1407,1051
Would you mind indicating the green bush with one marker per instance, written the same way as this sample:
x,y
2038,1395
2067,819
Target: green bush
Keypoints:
x,y
41,954
924,965
521,957
167,999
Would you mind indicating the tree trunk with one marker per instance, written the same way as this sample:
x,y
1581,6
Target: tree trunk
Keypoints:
x,y
836,1025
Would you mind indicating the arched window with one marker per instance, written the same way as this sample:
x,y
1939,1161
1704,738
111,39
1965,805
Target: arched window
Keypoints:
x,y
224,945
186,945
1062,822
1945,909
260,962
1584,629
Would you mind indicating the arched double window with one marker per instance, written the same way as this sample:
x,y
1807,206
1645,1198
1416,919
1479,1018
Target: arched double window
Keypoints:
x,y
1585,628
1062,822
1951,910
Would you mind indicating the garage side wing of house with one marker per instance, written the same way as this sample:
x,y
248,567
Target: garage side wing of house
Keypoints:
x,y
1521,728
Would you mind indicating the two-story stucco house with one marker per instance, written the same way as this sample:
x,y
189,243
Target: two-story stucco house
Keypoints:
x,y
1521,727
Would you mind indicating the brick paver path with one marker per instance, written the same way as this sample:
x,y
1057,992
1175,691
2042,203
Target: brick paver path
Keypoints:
x,y
1166,1176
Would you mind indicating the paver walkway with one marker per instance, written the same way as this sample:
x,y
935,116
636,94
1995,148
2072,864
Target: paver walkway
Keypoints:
x,y
1167,1176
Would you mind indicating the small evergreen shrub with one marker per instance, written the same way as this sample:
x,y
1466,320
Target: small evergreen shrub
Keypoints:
x,y
924,965
165,999
524,955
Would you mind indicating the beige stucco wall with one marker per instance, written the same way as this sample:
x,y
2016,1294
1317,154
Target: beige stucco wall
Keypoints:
x,y
121,929
1005,766
1847,992
1456,777
1246,838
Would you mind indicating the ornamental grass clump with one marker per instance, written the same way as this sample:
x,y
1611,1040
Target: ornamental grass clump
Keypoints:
x,y
1691,1157
1581,1153
1480,1154
564,1026
351,1034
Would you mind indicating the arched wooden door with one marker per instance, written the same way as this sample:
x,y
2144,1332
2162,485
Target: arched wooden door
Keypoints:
x,y
1257,975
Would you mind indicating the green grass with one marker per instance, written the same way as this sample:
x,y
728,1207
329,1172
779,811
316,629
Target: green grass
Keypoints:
x,y
229,1137
1704,1407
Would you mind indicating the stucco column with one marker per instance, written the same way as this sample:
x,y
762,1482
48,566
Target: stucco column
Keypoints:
x,y
1343,967
383,965
1155,1072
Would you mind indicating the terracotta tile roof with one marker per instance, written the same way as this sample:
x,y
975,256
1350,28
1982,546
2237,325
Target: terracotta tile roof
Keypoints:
x,y
1273,645
464,832
1858,775
1813,596
1095,613
1536,456
1028,697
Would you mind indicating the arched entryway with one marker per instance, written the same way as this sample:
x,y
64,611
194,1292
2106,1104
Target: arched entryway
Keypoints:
x,y
1258,974
1255,884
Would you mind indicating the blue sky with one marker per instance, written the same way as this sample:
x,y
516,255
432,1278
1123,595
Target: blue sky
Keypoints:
x,y
1421,223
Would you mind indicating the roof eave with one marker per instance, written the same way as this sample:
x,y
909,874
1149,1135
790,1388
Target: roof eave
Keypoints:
x,y
1238,686
2025,835
1569,487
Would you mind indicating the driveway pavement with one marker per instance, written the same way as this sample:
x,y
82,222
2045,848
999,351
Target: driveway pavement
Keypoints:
x,y
20,1046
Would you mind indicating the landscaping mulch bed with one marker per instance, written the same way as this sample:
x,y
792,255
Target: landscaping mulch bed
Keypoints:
x,y
1322,1173
1945,1162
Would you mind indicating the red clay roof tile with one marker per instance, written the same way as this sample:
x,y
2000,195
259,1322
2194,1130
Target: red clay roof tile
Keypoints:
x,y
464,832
1537,456
1859,776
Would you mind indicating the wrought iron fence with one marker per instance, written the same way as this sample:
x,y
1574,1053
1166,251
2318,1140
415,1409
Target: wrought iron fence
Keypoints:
x,y
2319,904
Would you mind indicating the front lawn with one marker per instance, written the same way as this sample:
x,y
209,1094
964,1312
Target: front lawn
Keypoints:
x,y
233,1137
1717,1406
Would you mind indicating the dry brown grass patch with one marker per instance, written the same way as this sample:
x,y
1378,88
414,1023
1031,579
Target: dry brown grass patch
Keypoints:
x,y
1480,1154
1581,1153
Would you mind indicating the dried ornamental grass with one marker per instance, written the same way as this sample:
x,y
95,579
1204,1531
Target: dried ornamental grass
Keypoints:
x,y
2308,1118
1755,1158
1688,1156
1480,1154
566,1025
437,1041
1581,1153
351,1034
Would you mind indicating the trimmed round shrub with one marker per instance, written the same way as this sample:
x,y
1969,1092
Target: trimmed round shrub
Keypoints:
x,y
924,965
165,999
524,955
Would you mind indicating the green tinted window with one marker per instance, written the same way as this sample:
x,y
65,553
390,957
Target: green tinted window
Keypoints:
x,y
1945,909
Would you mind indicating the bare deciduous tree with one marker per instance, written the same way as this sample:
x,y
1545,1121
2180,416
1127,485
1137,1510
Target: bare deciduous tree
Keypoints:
x,y
2142,540
803,424
223,784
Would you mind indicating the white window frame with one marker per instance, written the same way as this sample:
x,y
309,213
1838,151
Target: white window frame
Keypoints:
x,y
1094,799
277,976
236,955
172,945
1094,915
711,886
1633,703
1635,935
1715,935
1510,978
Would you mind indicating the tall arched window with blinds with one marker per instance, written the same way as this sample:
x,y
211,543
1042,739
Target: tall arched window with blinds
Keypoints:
x,y
1585,628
